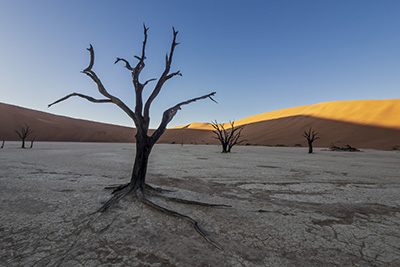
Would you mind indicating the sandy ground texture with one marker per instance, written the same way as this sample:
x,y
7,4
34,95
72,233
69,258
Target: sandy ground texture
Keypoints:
x,y
289,208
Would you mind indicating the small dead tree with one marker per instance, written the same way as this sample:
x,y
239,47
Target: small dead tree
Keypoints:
x,y
24,133
2,145
227,137
33,140
311,136
141,118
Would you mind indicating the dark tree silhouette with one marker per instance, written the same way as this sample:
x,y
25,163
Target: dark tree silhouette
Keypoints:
x,y
33,140
141,119
2,145
24,133
227,137
311,136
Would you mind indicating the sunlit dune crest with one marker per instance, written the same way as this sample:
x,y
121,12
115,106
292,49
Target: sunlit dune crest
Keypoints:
x,y
195,125
381,113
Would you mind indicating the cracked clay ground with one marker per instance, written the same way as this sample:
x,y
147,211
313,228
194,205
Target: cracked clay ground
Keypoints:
x,y
289,208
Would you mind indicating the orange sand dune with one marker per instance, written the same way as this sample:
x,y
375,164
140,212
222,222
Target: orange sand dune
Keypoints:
x,y
381,113
48,127
378,130
288,131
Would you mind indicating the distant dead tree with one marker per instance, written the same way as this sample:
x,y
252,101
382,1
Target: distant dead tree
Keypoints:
x,y
311,136
141,118
227,137
33,140
24,133
2,145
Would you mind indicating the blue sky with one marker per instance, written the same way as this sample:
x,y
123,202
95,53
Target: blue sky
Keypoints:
x,y
258,56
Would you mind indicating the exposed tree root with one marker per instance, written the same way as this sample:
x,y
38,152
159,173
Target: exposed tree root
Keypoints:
x,y
191,202
117,187
156,189
196,225
117,196
148,187
152,191
122,190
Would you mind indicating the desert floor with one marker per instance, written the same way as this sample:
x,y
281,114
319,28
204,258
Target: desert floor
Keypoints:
x,y
288,208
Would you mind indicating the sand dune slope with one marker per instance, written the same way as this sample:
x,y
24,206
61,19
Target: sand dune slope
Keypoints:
x,y
288,132
379,129
48,127
381,113
363,123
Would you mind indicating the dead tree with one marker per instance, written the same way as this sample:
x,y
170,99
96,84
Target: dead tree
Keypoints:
x,y
311,136
227,137
141,118
2,145
33,140
24,133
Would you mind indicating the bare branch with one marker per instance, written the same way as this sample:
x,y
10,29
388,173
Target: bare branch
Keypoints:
x,y
19,134
311,136
137,85
89,72
164,77
169,76
149,81
90,49
140,65
169,114
89,98
213,100
144,41
173,45
127,65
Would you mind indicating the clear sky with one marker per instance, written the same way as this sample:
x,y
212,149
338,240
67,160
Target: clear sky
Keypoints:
x,y
258,56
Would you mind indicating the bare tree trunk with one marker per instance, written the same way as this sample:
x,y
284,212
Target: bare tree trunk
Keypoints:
x,y
225,148
33,140
23,143
310,148
143,150
2,145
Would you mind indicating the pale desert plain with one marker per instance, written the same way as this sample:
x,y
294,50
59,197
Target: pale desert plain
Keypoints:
x,y
288,208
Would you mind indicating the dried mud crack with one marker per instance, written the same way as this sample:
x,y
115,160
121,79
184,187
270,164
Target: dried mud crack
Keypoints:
x,y
300,213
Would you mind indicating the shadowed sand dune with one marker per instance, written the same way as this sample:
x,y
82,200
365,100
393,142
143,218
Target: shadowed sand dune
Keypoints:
x,y
369,124
288,132
48,127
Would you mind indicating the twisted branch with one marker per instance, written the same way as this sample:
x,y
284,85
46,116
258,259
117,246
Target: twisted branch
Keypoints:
x,y
127,65
89,98
170,113
25,131
110,98
164,77
311,136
